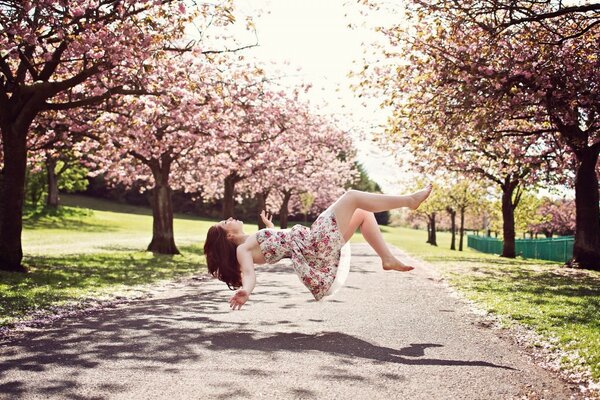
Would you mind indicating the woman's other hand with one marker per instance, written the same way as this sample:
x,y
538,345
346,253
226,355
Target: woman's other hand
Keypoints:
x,y
266,219
238,299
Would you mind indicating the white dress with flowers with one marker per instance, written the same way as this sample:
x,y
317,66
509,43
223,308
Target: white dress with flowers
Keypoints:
x,y
319,254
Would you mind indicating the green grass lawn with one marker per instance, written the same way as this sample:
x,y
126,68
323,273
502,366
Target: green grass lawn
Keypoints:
x,y
556,302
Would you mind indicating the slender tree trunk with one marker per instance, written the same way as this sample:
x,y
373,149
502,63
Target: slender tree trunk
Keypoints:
x,y
428,231
452,213
433,238
508,221
261,204
462,229
586,249
12,193
229,193
52,199
163,239
283,210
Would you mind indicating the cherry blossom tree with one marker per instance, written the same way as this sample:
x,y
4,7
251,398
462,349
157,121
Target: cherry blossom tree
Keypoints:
x,y
521,83
270,141
311,157
157,139
555,217
552,82
50,50
254,118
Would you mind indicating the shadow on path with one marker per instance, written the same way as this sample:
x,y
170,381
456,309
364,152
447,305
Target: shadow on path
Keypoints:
x,y
336,343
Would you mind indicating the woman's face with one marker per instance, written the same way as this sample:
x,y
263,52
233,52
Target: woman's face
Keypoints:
x,y
232,226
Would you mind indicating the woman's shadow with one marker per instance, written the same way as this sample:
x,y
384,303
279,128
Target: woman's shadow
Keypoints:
x,y
337,344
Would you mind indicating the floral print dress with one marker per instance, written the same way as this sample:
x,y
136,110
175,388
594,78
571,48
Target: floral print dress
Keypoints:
x,y
319,254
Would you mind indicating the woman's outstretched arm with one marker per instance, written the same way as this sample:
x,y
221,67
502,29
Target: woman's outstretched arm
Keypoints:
x,y
244,256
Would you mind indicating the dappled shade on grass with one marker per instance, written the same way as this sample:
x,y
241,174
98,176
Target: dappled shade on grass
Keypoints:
x,y
55,280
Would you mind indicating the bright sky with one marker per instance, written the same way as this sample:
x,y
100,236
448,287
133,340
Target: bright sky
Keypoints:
x,y
313,35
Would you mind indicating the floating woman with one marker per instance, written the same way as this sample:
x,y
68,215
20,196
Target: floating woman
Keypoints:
x,y
319,254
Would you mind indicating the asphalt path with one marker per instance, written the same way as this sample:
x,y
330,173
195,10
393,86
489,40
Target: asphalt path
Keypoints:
x,y
385,335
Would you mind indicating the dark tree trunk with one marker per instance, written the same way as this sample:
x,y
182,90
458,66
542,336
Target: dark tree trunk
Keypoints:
x,y
462,229
508,220
432,236
163,239
229,193
428,231
586,250
283,210
452,213
52,199
12,193
261,205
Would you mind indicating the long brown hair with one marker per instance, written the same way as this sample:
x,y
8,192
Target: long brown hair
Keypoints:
x,y
221,257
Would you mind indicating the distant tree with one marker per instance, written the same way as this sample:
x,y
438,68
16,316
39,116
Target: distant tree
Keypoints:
x,y
527,213
430,211
69,177
555,217
459,198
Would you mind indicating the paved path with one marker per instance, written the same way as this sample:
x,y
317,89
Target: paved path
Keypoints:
x,y
386,335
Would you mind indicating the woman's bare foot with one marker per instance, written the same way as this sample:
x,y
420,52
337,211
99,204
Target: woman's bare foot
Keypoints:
x,y
395,264
420,196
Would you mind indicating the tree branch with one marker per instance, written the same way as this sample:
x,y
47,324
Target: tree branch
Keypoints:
x,y
51,65
549,15
90,101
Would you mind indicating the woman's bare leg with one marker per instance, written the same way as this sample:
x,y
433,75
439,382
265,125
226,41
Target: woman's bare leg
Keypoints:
x,y
370,231
345,206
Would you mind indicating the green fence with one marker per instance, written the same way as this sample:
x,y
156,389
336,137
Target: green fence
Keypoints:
x,y
555,249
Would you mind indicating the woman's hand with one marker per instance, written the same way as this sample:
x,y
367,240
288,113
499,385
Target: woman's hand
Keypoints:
x,y
238,299
266,219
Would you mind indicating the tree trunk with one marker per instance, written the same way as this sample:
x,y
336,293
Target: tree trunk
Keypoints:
x,y
12,193
163,239
508,221
52,199
283,210
452,213
229,193
586,249
428,231
433,237
261,205
462,229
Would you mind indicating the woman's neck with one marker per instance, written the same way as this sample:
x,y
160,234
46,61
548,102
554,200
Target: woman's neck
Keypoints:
x,y
239,238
